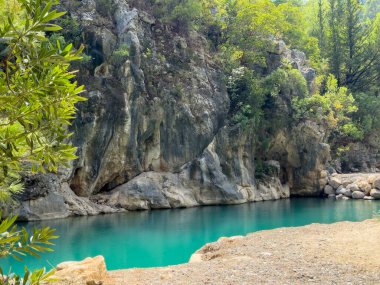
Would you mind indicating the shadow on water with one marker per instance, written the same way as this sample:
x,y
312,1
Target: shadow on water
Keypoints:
x,y
166,237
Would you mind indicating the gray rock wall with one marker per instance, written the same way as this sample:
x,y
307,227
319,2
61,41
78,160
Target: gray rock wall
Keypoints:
x,y
154,132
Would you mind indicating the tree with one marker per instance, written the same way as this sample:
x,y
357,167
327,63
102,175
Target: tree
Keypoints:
x,y
16,243
37,95
331,109
37,101
183,14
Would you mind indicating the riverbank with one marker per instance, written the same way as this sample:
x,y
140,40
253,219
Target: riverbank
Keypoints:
x,y
340,253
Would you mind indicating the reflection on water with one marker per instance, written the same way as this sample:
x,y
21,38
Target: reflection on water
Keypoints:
x,y
165,237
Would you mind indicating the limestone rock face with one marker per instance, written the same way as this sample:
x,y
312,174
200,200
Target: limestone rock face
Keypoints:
x,y
89,271
155,110
303,157
155,130
212,178
362,156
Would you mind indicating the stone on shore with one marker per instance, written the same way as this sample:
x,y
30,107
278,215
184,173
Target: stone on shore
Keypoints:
x,y
352,187
375,193
344,191
358,195
364,186
376,183
335,182
329,190
368,198
90,271
341,197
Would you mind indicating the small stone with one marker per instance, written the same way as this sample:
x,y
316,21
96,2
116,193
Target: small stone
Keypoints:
x,y
335,182
352,187
358,195
331,196
375,193
339,197
337,191
368,198
329,190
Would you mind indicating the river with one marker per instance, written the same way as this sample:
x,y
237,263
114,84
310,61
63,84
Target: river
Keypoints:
x,y
167,237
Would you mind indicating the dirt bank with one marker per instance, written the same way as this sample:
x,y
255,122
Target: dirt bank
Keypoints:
x,y
340,253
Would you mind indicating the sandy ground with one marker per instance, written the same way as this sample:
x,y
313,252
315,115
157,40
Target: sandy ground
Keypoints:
x,y
340,253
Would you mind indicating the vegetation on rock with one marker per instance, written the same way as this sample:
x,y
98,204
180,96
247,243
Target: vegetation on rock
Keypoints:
x,y
340,38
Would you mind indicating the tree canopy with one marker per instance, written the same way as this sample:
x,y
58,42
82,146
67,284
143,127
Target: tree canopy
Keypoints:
x,y
37,93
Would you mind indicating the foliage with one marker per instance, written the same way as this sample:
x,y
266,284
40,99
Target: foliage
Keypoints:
x,y
105,7
120,55
15,242
330,109
183,14
37,95
71,31
249,29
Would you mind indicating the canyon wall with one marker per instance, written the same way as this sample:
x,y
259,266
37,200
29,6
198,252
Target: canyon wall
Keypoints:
x,y
155,130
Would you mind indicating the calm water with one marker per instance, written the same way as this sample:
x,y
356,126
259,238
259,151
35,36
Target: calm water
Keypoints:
x,y
166,237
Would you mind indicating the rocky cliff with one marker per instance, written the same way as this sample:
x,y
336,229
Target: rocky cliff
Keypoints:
x,y
154,132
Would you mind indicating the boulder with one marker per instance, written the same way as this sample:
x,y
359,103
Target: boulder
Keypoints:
x,y
358,195
364,186
335,182
375,193
341,197
352,187
368,198
329,190
344,191
87,271
376,183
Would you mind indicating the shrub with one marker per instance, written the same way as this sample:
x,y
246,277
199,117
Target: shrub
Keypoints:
x,y
15,242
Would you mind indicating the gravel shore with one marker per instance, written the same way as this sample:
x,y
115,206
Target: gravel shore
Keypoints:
x,y
340,253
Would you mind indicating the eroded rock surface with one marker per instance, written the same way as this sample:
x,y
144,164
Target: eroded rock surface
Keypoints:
x,y
155,130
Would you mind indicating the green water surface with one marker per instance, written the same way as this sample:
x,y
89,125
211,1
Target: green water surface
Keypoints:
x,y
167,237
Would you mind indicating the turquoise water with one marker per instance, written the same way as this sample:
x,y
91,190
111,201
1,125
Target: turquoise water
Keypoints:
x,y
166,237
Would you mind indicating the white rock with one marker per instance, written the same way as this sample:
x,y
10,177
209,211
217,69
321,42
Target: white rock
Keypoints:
x,y
352,187
335,182
329,190
358,195
364,186
368,198
344,191
375,193
376,183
